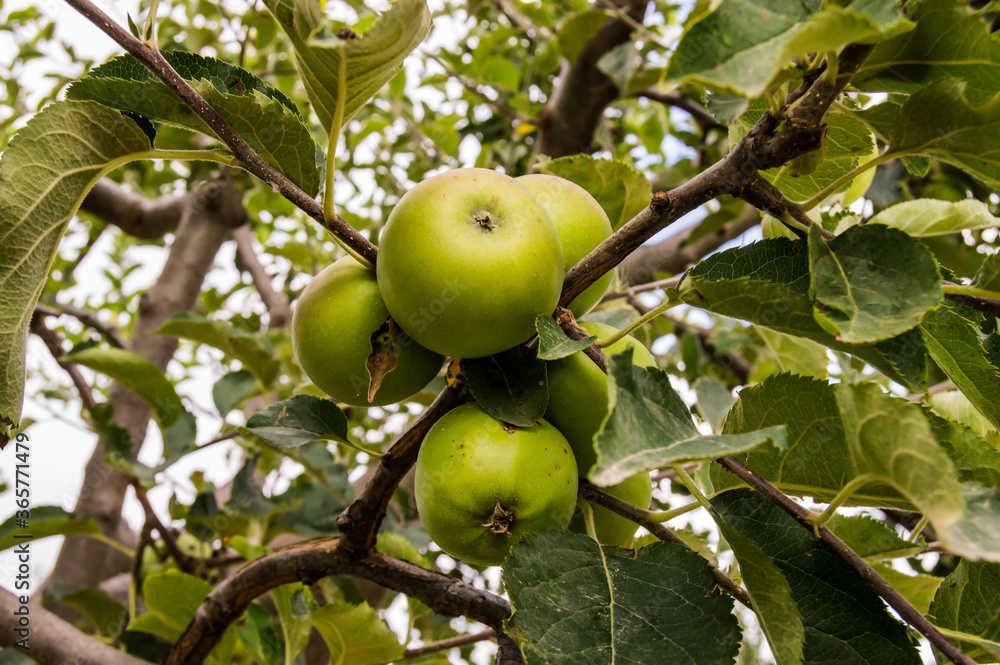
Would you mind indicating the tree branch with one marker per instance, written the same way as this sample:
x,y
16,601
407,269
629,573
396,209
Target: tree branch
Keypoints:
x,y
184,562
593,494
314,560
87,318
210,213
679,100
54,344
443,645
763,147
674,255
896,601
133,213
246,155
279,314
53,641
569,121
359,524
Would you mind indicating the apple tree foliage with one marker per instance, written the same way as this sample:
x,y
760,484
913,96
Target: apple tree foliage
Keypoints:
x,y
845,349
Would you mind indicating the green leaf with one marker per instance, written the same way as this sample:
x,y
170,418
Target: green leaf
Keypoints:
x,y
795,355
502,72
174,597
968,602
356,635
251,350
975,458
953,341
372,60
511,386
107,615
918,589
872,539
848,141
137,374
767,283
871,282
714,400
951,41
258,635
988,276
396,544
266,119
938,121
621,189
295,625
578,29
48,168
232,389
577,602
954,405
845,621
294,422
42,522
929,217
553,343
771,595
742,46
649,426
844,434
977,535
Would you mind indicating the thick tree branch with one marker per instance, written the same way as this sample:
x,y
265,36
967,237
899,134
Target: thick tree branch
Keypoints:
x,y
210,213
896,601
134,213
359,524
246,155
674,255
314,560
569,121
53,641
279,314
661,531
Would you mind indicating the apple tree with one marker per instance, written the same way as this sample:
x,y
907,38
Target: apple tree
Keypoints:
x,y
802,245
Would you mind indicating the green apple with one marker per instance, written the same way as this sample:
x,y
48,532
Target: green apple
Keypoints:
x,y
332,327
582,225
610,527
578,404
467,260
578,393
481,485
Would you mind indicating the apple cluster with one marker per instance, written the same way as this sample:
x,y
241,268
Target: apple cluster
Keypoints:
x,y
467,260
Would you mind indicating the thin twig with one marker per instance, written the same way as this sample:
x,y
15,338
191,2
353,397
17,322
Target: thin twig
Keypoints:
x,y
661,531
803,516
246,155
184,562
85,317
279,314
498,106
54,344
451,643
679,100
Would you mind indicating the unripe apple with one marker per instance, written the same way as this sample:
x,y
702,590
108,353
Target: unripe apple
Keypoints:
x,y
332,327
578,404
481,485
467,260
582,225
